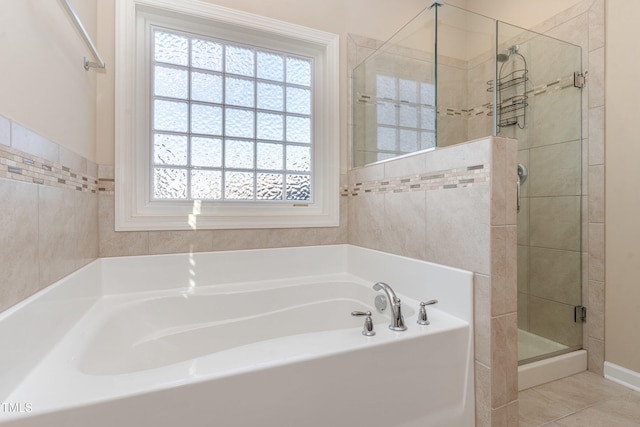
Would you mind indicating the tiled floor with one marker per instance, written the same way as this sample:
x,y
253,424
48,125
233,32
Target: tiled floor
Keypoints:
x,y
582,400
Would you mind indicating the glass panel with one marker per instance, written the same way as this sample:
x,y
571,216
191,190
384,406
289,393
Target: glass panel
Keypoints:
x,y
269,186
387,113
169,183
299,71
547,126
386,87
269,156
169,149
387,138
298,129
170,82
270,66
238,154
206,87
169,115
239,185
206,184
239,60
171,48
298,187
206,152
298,158
206,54
270,96
238,123
206,119
298,100
408,116
270,126
239,92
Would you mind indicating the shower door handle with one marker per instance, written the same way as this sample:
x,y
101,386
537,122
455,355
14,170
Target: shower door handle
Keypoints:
x,y
518,195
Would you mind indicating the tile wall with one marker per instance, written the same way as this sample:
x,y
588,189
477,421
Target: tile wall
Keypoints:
x,y
48,214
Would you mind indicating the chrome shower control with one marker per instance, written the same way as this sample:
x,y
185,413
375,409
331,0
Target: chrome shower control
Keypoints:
x,y
422,314
367,330
381,303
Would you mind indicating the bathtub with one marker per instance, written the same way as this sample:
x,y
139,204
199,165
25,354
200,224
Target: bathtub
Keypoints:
x,y
234,339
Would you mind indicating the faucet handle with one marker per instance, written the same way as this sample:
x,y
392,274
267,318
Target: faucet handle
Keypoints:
x,y
422,314
367,330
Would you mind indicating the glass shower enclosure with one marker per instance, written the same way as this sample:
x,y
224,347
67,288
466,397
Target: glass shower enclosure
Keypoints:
x,y
451,76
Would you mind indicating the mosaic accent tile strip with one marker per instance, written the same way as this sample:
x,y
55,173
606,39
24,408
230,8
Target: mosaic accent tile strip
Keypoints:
x,y
441,180
20,166
106,185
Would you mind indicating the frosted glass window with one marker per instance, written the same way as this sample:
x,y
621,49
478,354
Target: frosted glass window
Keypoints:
x,y
230,122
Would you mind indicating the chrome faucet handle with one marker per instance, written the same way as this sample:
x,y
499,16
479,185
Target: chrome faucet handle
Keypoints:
x,y
422,314
367,330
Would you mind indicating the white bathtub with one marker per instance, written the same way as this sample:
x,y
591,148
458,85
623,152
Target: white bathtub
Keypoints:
x,y
233,339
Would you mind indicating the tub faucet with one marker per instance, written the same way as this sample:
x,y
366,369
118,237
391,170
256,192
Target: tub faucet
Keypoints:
x,y
397,321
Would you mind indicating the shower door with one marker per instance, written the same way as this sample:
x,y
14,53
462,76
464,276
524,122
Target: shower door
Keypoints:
x,y
541,108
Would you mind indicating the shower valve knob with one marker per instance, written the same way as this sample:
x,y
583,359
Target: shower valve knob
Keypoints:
x,y
422,314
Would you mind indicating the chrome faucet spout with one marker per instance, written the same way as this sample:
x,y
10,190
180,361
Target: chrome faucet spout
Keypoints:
x,y
397,320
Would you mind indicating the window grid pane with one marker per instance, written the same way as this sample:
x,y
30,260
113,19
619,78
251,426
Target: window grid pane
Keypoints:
x,y
230,122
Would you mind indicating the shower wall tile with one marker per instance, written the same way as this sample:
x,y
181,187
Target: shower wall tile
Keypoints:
x,y
523,311
596,135
596,252
572,31
524,158
554,222
506,415
523,268
596,193
555,170
596,304
596,25
18,241
547,108
72,160
412,165
503,183
5,131
460,156
523,221
554,321
554,275
595,78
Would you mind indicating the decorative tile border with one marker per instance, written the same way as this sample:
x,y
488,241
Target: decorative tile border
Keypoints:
x,y
20,166
441,180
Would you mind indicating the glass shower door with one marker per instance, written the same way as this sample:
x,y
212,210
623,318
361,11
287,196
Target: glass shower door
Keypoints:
x,y
538,104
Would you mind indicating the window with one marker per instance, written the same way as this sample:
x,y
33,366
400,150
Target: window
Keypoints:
x,y
406,116
223,120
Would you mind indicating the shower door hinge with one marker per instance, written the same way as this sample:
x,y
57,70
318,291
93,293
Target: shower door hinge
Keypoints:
x,y
580,314
579,79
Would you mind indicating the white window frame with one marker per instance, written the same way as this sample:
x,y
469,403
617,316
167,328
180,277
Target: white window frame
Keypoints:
x,y
134,208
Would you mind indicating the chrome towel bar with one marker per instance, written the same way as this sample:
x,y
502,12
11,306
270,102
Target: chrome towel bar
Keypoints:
x,y
83,32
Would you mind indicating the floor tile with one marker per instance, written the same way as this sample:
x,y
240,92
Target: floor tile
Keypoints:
x,y
537,409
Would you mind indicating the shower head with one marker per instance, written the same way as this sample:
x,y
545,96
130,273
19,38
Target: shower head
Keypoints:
x,y
505,54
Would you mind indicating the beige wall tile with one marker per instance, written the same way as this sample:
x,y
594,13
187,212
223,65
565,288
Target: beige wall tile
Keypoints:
x,y
30,142
555,170
499,175
5,131
482,318
504,359
121,243
596,193
459,156
170,242
458,231
366,219
405,223
554,321
86,230
596,135
18,241
503,270
523,311
596,78
57,235
483,395
523,221
595,356
555,275
505,416
596,252
523,269
555,222
561,114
